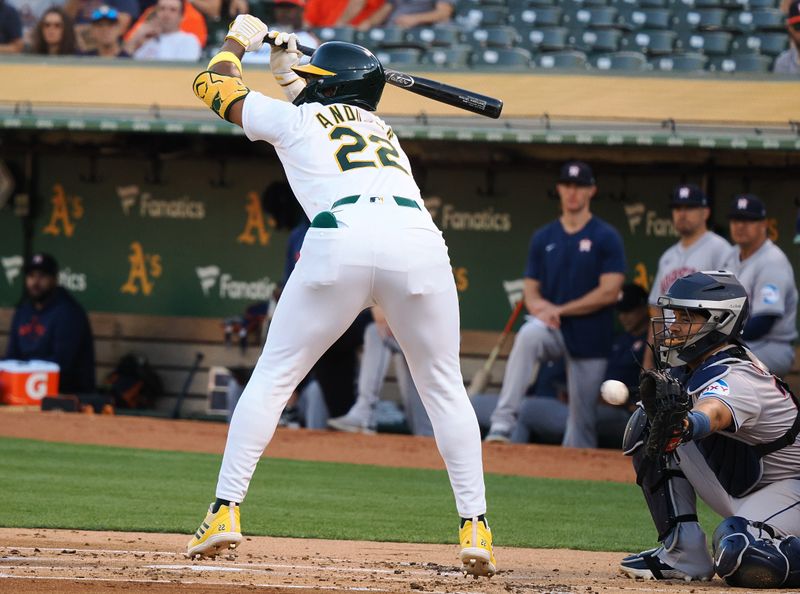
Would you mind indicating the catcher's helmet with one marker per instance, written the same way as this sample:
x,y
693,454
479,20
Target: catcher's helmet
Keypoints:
x,y
718,297
342,72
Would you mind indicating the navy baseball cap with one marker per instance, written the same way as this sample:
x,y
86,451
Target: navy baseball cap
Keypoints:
x,y
42,262
576,172
631,297
105,13
747,207
688,195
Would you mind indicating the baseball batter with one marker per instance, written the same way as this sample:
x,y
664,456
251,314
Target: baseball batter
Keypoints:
x,y
768,277
721,427
371,242
697,249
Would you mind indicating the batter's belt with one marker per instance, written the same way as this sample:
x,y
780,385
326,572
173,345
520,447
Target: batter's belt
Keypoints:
x,y
399,200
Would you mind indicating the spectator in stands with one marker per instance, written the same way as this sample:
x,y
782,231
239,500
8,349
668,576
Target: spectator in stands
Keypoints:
x,y
30,11
544,419
54,35
338,13
411,13
767,275
160,38
81,12
11,41
575,270
698,248
379,347
212,9
106,34
234,8
51,326
789,61
287,16
192,22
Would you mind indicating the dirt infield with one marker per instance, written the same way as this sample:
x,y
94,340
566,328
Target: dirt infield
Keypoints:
x,y
71,562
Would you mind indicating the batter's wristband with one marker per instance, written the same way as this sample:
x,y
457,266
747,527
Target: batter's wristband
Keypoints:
x,y
226,57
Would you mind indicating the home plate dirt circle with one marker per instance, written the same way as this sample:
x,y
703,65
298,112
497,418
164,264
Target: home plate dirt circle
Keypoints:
x,y
72,562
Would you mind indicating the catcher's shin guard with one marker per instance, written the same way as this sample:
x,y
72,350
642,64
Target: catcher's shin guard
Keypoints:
x,y
748,557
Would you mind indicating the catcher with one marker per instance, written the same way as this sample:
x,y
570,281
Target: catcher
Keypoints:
x,y
716,424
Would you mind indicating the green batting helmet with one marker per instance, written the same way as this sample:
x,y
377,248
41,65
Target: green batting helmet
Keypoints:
x,y
342,72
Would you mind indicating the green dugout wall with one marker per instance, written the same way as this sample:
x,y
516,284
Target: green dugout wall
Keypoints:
x,y
180,233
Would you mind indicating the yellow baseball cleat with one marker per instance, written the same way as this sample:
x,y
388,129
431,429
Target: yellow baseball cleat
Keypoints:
x,y
477,557
219,532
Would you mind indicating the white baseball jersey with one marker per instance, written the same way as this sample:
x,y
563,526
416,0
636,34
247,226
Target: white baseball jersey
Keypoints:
x,y
317,143
768,278
707,253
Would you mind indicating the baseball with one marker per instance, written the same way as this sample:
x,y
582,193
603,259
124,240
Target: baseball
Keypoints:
x,y
614,392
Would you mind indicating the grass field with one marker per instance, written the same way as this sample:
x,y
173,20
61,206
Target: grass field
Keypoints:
x,y
47,485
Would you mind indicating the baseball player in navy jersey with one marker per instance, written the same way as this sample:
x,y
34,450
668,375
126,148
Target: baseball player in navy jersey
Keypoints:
x,y
720,426
371,242
768,277
697,249
575,270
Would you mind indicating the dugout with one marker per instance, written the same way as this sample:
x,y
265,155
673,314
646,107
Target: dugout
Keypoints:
x,y
152,204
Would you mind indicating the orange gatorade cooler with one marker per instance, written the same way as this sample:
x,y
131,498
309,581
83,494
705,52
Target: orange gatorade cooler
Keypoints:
x,y
27,382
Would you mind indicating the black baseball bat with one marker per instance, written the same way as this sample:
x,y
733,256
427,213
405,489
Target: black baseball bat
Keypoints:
x,y
461,98
198,358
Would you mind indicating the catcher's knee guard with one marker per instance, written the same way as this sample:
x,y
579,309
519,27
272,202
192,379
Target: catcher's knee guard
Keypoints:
x,y
749,557
635,432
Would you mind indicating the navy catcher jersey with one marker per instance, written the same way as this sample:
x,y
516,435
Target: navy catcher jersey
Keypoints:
x,y
567,267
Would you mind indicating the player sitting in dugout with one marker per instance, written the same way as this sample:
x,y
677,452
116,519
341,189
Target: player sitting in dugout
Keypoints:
x,y
718,425
49,325
544,419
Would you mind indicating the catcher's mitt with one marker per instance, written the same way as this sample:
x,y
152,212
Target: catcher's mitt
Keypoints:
x,y
666,404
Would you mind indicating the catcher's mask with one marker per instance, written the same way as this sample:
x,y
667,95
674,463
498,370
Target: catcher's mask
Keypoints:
x,y
700,312
342,72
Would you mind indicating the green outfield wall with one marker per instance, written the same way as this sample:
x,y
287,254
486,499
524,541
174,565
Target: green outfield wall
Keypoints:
x,y
180,232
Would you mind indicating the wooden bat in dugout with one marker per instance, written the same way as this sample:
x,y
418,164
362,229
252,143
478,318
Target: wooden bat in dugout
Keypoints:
x,y
482,377
463,99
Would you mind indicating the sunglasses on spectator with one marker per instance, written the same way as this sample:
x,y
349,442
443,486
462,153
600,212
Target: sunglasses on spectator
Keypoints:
x,y
105,12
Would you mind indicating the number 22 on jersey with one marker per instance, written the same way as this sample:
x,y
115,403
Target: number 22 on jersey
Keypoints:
x,y
349,155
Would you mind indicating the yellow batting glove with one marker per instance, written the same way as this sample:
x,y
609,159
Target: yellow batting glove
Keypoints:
x,y
249,31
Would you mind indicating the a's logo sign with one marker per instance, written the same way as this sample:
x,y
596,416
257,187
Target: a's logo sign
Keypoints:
x,y
36,386
66,209
399,79
634,212
741,204
143,269
208,276
12,266
254,228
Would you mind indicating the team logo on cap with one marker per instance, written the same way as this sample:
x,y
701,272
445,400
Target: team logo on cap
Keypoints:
x,y
574,171
742,204
683,193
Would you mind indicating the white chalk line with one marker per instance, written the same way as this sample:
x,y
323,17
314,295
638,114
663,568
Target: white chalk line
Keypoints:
x,y
77,554
217,583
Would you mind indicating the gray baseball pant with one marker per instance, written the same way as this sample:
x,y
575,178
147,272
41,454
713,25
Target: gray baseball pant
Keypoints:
x,y
686,547
534,343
